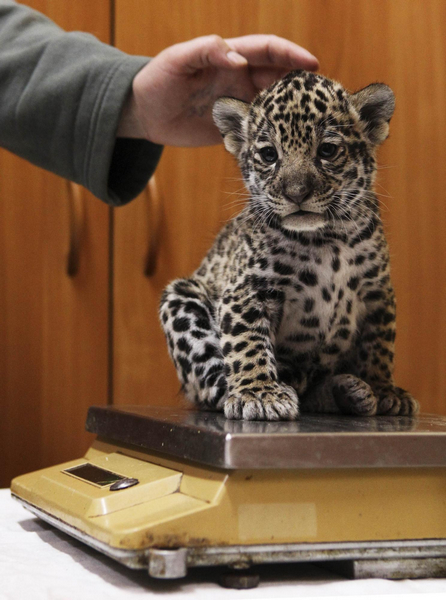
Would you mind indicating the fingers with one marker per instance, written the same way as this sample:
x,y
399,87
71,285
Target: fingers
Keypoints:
x,y
202,53
254,50
273,51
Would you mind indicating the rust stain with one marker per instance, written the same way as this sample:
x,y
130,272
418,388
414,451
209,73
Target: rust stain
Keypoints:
x,y
170,541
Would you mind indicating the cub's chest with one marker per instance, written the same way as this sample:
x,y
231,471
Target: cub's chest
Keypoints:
x,y
321,300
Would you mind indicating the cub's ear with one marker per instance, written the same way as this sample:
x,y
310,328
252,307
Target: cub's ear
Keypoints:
x,y
230,116
375,105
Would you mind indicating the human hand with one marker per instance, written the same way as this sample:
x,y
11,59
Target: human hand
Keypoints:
x,y
173,95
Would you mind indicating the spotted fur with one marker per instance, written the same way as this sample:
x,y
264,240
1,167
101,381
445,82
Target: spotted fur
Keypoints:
x,y
293,307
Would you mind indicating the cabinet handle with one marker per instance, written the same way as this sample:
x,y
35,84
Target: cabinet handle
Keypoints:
x,y
154,218
76,219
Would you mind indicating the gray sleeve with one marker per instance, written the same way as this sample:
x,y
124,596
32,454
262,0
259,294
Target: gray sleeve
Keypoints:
x,y
61,96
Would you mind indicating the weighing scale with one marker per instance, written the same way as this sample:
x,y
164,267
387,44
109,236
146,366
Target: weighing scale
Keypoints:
x,y
166,489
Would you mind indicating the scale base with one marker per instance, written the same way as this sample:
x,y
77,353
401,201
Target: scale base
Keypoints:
x,y
388,560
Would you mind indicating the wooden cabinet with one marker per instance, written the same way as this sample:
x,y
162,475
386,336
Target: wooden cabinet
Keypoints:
x,y
68,338
54,327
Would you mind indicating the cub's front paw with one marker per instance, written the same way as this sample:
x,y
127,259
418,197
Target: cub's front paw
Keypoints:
x,y
394,401
274,403
354,396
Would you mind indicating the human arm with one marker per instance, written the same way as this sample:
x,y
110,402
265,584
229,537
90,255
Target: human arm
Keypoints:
x,y
61,99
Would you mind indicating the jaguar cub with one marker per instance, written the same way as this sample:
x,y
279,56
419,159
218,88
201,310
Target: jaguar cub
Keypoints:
x,y
293,307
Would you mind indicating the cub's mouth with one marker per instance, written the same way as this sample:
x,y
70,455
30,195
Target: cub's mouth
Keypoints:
x,y
303,220
301,213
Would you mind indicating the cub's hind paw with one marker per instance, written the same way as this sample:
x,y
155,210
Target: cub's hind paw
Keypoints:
x,y
395,401
354,396
278,402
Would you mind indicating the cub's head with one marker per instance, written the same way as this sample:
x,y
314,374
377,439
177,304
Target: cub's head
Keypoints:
x,y
306,148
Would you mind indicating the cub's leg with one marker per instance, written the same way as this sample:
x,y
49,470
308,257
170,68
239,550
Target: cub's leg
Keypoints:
x,y
344,394
373,391
375,352
351,395
187,318
254,390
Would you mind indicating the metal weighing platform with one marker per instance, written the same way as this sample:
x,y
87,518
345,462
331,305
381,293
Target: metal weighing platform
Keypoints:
x,y
166,489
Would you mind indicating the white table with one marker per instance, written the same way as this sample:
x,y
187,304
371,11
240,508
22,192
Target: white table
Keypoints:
x,y
39,562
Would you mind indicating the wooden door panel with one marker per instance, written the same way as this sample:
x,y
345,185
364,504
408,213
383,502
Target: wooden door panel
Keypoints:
x,y
53,327
395,41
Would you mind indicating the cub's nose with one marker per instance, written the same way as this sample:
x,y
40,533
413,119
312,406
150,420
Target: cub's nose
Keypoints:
x,y
297,193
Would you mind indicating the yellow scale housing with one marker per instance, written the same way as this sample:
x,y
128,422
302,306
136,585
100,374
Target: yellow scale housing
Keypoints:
x,y
167,489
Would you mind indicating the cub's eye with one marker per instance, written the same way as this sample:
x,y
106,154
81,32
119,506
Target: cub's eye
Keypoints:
x,y
269,154
327,150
